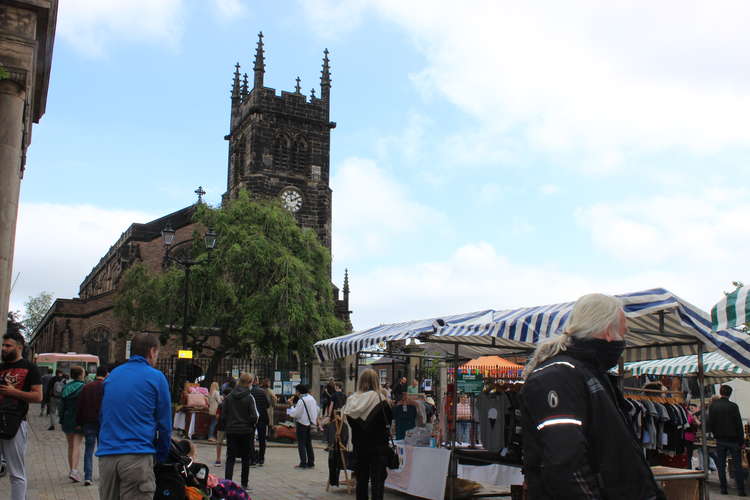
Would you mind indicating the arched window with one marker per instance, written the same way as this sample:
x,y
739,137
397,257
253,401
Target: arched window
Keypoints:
x,y
282,145
301,153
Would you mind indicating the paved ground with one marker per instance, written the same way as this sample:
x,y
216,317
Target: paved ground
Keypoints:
x,y
278,480
46,461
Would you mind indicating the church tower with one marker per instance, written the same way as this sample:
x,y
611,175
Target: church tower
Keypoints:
x,y
279,146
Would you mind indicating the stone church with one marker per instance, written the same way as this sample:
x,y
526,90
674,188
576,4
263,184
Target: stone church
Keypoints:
x,y
279,146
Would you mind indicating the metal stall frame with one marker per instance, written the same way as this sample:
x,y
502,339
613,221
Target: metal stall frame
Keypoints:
x,y
453,465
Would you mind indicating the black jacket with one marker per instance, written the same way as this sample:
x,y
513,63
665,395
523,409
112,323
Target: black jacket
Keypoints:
x,y
261,402
238,412
370,436
577,442
724,421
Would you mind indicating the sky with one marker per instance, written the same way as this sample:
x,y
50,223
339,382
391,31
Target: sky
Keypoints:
x,y
486,155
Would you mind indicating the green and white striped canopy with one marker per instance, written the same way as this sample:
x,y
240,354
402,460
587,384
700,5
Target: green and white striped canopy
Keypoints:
x,y
732,311
714,365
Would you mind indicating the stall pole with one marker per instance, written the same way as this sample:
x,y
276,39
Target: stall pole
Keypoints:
x,y
621,372
453,472
356,372
704,444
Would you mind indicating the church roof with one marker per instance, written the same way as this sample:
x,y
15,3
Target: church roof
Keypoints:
x,y
143,232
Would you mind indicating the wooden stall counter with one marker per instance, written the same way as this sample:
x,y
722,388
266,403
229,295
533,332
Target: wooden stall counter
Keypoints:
x,y
680,484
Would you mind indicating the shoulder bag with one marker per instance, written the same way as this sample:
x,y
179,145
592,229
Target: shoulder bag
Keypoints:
x,y
312,424
391,455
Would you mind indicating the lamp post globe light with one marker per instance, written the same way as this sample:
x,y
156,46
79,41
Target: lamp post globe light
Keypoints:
x,y
168,237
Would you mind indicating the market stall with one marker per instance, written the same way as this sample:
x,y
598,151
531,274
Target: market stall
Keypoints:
x,y
661,325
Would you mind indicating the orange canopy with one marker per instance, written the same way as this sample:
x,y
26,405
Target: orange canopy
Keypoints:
x,y
491,365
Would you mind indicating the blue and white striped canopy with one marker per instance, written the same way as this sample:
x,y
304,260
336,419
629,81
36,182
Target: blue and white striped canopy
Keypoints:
x,y
661,325
714,365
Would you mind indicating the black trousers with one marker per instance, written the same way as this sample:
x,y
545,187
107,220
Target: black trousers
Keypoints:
x,y
304,445
238,447
370,469
259,455
722,449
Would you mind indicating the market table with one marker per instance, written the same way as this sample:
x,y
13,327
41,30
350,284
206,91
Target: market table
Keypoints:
x,y
680,484
422,473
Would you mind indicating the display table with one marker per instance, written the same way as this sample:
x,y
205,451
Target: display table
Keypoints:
x,y
422,473
680,484
503,476
192,421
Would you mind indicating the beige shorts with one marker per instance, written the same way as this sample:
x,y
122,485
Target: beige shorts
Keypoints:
x,y
220,437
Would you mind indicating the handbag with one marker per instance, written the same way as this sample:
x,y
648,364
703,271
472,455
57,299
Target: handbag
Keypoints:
x,y
196,400
12,412
391,454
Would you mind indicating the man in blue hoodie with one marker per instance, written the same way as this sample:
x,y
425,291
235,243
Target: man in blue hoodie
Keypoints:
x,y
135,424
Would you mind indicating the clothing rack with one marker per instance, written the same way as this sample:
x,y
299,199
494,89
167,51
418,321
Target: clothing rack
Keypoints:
x,y
655,395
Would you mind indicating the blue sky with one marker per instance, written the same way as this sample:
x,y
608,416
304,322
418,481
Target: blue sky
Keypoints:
x,y
488,155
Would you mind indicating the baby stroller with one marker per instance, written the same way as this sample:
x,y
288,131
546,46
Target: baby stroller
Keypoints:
x,y
179,473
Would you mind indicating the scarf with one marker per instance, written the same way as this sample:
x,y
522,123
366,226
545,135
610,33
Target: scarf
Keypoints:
x,y
360,404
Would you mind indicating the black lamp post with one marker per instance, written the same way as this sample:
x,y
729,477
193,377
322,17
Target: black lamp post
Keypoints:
x,y
167,235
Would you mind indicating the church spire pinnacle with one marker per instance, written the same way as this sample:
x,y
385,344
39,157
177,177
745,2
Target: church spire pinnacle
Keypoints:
x,y
260,67
298,88
346,283
244,91
236,83
325,76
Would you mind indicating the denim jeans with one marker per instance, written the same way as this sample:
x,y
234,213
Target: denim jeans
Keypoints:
x,y
212,427
91,434
722,448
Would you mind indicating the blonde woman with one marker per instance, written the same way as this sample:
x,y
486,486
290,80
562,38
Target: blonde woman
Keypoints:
x,y
214,400
369,415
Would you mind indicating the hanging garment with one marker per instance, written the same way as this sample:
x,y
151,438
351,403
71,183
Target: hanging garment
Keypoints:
x,y
491,411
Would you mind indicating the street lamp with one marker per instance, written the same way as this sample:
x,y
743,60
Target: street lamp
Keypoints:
x,y
168,235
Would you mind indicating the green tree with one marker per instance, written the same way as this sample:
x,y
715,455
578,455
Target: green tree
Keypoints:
x,y
34,310
265,288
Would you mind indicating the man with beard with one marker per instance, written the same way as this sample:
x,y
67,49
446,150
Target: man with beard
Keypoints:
x,y
578,443
20,384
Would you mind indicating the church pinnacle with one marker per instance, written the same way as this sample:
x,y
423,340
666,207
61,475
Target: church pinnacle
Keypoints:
x,y
244,87
260,66
236,82
325,78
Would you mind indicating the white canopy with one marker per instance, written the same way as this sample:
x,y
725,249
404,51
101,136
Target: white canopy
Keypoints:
x,y
661,325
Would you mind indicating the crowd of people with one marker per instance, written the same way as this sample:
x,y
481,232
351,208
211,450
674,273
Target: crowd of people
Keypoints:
x,y
578,442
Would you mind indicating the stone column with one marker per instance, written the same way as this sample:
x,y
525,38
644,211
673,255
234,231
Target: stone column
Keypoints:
x,y
349,382
315,379
11,133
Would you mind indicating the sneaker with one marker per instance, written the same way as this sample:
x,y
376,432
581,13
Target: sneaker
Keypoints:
x,y
88,482
75,476
51,428
217,463
300,466
3,469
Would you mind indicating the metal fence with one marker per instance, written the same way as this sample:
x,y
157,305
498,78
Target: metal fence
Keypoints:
x,y
178,371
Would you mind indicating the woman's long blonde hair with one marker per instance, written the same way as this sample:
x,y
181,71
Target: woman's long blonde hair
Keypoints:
x,y
369,381
592,314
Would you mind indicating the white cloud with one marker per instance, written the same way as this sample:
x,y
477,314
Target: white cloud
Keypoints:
x,y
230,9
475,277
599,78
373,212
331,19
58,245
704,229
548,189
91,25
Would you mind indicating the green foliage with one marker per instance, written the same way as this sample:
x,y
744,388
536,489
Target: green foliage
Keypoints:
x,y
4,74
266,286
35,309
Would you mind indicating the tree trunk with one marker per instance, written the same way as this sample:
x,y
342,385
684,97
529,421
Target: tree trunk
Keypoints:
x,y
213,366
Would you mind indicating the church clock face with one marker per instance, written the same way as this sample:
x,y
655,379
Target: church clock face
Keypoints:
x,y
291,199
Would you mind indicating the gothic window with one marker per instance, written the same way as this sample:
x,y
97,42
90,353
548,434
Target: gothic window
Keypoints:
x,y
96,342
300,153
282,146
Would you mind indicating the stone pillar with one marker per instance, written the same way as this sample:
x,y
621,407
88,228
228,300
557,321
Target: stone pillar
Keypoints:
x,y
11,132
315,379
413,363
350,368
